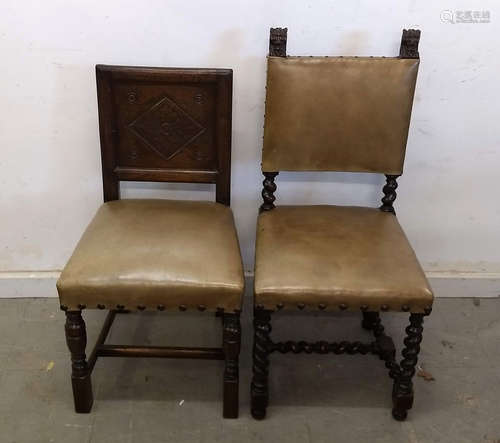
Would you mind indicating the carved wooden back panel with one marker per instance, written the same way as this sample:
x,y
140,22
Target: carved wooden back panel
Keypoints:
x,y
165,124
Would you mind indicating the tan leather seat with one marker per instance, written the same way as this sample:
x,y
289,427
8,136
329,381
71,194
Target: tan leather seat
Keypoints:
x,y
336,257
156,254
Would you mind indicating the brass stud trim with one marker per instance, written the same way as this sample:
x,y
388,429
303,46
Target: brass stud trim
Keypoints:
x,y
120,307
141,307
321,306
364,307
384,308
182,308
101,306
280,306
82,306
201,308
160,308
405,308
301,306
343,306
427,310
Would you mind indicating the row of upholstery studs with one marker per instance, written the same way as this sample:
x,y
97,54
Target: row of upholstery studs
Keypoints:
x,y
142,307
343,307
279,306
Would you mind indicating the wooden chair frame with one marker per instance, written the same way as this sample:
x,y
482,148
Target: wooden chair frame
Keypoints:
x,y
113,172
383,345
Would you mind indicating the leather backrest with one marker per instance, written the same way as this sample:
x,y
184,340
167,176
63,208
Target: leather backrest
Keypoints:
x,y
338,113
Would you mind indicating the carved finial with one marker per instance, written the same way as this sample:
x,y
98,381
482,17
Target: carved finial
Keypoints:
x,y
277,42
409,43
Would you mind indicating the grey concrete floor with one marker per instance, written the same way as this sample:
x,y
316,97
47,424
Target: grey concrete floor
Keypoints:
x,y
314,398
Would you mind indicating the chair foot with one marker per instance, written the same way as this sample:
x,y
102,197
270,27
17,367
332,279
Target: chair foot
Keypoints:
x,y
402,393
231,407
231,347
259,400
82,394
259,386
399,414
259,413
76,339
402,401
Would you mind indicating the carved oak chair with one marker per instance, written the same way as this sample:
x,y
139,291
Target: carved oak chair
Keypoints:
x,y
337,114
164,125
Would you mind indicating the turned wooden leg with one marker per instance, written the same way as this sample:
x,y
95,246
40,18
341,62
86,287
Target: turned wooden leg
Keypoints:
x,y
402,393
76,338
231,347
259,387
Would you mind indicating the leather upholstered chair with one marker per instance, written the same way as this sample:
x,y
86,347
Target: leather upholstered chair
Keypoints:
x,y
165,125
337,114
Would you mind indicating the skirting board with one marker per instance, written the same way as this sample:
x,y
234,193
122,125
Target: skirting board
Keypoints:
x,y
445,284
25,284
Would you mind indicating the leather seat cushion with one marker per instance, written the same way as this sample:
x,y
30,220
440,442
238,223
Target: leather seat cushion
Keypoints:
x,y
337,255
152,253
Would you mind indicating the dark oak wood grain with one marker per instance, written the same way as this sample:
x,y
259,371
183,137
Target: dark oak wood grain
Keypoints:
x,y
76,339
159,352
231,343
165,124
260,367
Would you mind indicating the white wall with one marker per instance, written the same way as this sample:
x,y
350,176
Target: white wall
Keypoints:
x,y
50,180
